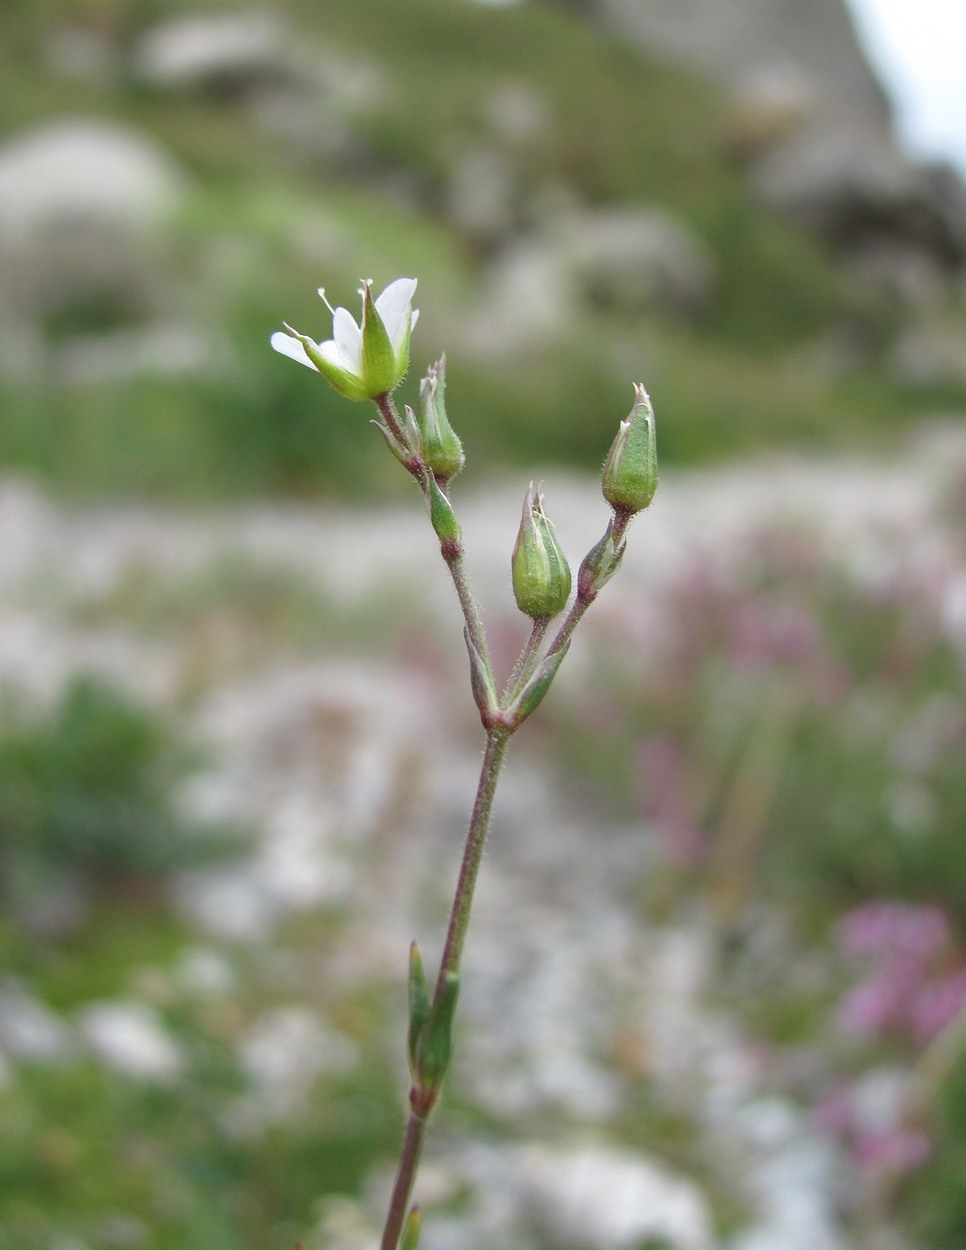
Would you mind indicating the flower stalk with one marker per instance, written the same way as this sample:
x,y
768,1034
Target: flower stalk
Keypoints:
x,y
368,360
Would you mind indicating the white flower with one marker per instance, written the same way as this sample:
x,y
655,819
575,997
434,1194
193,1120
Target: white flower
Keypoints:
x,y
360,361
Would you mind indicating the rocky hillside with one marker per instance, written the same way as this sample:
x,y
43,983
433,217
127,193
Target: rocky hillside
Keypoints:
x,y
707,200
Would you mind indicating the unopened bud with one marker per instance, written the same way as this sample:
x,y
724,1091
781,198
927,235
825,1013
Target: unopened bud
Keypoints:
x,y
441,513
536,688
629,477
442,449
434,1045
599,565
541,574
481,683
419,1007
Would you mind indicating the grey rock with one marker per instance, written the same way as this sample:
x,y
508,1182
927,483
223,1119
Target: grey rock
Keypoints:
x,y
736,41
611,1199
631,261
216,51
640,260
28,1029
82,203
931,354
568,1195
63,174
164,349
484,200
853,189
304,95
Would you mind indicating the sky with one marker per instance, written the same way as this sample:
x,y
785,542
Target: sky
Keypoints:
x,y
918,48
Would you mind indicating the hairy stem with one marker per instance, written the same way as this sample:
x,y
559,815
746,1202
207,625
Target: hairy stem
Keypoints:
x,y
496,744
497,741
468,604
405,1177
618,528
391,417
526,660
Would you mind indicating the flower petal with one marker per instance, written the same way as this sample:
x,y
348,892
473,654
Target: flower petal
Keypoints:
x,y
291,347
348,341
393,305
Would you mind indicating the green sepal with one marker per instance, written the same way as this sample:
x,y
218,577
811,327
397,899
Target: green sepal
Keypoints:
x,y
348,384
401,452
410,1235
419,1006
629,476
378,361
441,448
534,692
434,1050
481,683
441,513
539,568
412,430
599,565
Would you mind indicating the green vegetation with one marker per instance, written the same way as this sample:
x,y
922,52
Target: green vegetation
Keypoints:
x,y
268,220
87,794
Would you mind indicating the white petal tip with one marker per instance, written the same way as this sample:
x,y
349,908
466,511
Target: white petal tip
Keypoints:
x,y
290,346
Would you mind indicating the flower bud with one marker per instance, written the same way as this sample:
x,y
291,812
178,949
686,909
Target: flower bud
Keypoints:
x,y
599,565
629,477
419,1006
442,450
534,692
541,574
433,1050
441,513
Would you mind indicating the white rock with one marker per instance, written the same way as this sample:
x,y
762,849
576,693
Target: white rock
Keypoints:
x,y
611,1199
210,49
28,1029
130,1038
62,173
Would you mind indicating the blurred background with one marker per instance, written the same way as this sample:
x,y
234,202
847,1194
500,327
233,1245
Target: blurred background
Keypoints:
x,y
715,995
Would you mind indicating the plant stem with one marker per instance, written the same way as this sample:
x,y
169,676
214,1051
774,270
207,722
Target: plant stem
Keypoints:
x,y
617,527
471,611
497,741
405,1176
526,660
452,552
391,417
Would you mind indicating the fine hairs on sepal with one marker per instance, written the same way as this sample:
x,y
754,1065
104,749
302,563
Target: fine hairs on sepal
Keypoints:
x,y
629,476
541,574
368,359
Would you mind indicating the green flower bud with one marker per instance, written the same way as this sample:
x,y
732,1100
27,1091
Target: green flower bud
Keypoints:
x,y
419,1006
599,565
541,574
441,449
441,513
534,692
434,1046
629,477
481,683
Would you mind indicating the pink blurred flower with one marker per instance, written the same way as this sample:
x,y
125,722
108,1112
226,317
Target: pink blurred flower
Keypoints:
x,y
872,1007
937,1004
889,929
897,1152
